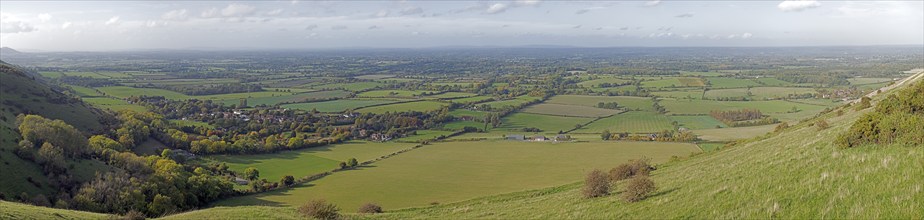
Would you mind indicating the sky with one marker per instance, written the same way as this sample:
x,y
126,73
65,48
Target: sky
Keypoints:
x,y
127,25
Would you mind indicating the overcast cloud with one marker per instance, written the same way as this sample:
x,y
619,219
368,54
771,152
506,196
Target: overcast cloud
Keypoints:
x,y
114,25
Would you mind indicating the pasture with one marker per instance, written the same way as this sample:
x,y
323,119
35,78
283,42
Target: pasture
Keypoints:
x,y
629,102
304,162
84,91
862,80
758,93
421,135
546,123
392,93
454,171
697,121
511,102
113,104
471,99
569,110
421,106
452,95
458,125
632,122
596,82
338,105
292,98
469,113
354,86
726,82
731,134
680,94
702,107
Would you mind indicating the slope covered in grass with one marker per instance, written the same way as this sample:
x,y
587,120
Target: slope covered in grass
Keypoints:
x,y
12,210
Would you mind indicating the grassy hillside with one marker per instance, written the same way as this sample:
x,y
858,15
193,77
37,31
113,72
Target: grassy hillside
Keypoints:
x,y
11,210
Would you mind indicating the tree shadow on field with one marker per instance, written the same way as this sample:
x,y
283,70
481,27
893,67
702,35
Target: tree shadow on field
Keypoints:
x,y
663,192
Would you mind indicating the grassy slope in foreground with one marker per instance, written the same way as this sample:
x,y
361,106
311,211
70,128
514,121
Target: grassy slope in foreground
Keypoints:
x,y
12,210
795,174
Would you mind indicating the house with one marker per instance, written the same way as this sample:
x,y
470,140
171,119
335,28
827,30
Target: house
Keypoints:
x,y
515,137
240,181
562,137
539,138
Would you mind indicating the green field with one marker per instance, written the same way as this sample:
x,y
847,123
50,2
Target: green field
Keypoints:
x,y
12,210
725,82
519,100
113,104
629,102
758,93
453,95
596,82
338,105
668,82
697,122
392,93
458,125
466,112
231,98
689,73
301,97
84,91
422,135
703,107
632,122
455,171
680,94
569,110
374,76
771,82
546,123
861,81
355,86
731,134
421,106
471,99
309,161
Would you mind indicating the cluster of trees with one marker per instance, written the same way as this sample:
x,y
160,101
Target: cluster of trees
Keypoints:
x,y
209,89
664,136
599,184
151,185
897,119
608,105
743,117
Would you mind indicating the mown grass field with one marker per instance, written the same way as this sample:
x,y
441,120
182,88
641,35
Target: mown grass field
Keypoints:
x,y
455,171
759,93
84,91
304,162
632,122
291,98
703,107
546,123
519,100
338,105
421,106
697,121
569,110
629,102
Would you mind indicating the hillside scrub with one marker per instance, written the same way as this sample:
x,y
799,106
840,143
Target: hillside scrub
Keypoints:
x,y
897,119
638,189
596,185
370,208
319,209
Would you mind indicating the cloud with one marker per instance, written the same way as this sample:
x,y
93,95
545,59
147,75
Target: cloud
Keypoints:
x,y
581,11
66,25
12,27
577,26
653,3
274,12
624,28
685,15
497,8
411,11
153,24
797,5
381,14
113,20
374,27
598,28
237,10
175,15
746,35
311,27
338,27
44,17
527,2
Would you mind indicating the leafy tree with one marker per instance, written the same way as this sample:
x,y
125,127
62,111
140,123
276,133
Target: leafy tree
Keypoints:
x,y
287,180
352,162
251,174
606,135
51,157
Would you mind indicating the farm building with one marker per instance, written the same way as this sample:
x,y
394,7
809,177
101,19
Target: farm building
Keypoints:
x,y
515,137
562,137
539,138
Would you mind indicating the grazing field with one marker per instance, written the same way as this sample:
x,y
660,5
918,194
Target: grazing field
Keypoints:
x,y
632,122
546,123
458,125
697,122
510,102
113,104
452,95
84,91
689,73
702,107
472,99
304,162
758,93
766,81
421,106
596,82
374,76
569,110
392,93
455,171
422,135
125,92
710,146
692,81
625,88
301,97
680,94
466,112
725,82
355,86
861,81
230,98
337,105
668,82
14,210
629,102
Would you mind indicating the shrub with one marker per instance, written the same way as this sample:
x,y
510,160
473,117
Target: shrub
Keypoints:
x,y
370,208
319,209
781,126
822,124
864,103
132,215
640,166
638,189
621,172
596,184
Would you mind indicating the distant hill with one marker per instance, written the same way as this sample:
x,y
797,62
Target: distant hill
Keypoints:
x,y
20,92
8,51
